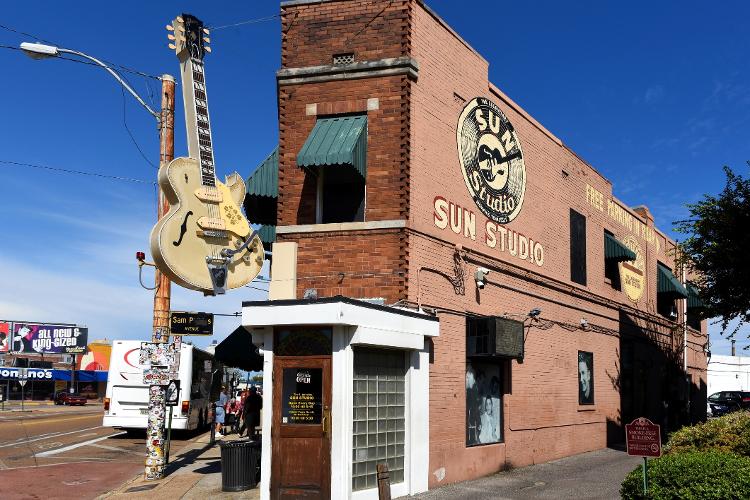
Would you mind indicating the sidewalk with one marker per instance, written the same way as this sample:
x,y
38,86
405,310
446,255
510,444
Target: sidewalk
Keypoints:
x,y
193,475
593,475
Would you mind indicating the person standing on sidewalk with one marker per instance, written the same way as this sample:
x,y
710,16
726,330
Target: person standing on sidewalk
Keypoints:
x,y
251,410
223,398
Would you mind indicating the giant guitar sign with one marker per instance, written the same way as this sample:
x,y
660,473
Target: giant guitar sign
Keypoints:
x,y
204,242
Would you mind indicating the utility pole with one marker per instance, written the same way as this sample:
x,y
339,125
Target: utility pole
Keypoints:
x,y
155,439
734,352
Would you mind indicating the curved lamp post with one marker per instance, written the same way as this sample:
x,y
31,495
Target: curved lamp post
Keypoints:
x,y
41,51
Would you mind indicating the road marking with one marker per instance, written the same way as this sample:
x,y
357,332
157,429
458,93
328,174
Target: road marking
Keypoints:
x,y
47,436
66,464
114,448
77,445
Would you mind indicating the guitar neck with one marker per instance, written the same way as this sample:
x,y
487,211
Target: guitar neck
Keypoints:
x,y
197,122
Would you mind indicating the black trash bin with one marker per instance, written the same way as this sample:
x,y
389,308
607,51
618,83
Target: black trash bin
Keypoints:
x,y
239,461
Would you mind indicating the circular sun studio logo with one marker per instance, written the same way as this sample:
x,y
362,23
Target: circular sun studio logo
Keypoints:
x,y
491,160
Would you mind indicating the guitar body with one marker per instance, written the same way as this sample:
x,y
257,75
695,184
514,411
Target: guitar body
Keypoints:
x,y
201,222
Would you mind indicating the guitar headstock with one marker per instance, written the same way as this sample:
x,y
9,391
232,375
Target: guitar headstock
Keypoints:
x,y
188,37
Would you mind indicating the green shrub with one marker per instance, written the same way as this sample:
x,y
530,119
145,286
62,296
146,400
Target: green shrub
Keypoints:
x,y
691,476
730,433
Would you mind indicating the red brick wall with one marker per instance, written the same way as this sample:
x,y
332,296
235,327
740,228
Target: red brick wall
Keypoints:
x,y
412,158
312,34
543,420
357,264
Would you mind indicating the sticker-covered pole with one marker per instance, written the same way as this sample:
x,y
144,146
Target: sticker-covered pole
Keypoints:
x,y
645,475
156,409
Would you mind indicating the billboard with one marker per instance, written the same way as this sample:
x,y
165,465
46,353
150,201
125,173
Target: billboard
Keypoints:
x,y
96,358
48,339
4,336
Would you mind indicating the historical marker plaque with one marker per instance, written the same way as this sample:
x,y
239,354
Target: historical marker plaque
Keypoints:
x,y
643,438
302,396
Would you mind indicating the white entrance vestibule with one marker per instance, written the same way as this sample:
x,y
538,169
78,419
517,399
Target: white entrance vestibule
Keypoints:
x,y
367,343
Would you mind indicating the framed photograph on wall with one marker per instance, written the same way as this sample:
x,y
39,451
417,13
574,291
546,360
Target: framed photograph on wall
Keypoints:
x,y
585,378
484,424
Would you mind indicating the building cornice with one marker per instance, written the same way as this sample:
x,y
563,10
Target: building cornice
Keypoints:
x,y
362,69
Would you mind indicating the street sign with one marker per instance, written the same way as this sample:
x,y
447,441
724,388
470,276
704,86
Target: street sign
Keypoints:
x,y
207,365
22,382
191,323
173,393
643,438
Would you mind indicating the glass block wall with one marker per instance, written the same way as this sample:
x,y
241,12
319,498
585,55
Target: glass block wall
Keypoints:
x,y
379,417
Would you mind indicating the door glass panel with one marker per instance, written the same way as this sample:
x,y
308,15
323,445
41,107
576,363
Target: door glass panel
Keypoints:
x,y
303,341
302,396
379,388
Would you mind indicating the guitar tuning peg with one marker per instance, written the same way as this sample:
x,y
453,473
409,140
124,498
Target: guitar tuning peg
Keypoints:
x,y
205,30
171,37
207,49
179,19
206,39
172,46
170,27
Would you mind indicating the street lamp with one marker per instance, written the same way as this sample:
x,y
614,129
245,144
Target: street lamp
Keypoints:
x,y
42,51
155,457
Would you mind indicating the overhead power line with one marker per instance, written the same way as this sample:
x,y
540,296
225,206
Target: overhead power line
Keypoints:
x,y
242,23
77,172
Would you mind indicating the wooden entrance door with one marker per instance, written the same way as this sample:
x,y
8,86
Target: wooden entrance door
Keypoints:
x,y
300,433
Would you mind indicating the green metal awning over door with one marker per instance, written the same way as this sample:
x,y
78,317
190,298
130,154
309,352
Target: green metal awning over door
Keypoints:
x,y
265,180
667,283
614,250
694,301
340,140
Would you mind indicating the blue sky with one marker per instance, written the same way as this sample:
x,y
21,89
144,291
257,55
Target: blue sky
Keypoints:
x,y
653,95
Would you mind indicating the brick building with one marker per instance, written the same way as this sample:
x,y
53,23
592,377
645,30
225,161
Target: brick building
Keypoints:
x,y
526,315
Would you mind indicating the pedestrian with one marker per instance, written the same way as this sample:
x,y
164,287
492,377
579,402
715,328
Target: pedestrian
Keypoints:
x,y
222,401
251,410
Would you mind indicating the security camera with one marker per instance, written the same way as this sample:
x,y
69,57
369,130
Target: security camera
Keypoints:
x,y
480,276
584,323
534,313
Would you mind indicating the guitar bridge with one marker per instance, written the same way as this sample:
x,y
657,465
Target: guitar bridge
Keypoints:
x,y
217,270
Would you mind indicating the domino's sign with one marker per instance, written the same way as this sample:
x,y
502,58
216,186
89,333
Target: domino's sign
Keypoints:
x,y
31,373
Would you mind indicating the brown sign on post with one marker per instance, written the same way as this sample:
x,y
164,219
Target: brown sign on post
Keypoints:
x,y
643,438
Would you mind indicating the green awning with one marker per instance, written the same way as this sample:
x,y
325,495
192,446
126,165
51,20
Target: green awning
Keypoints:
x,y
693,300
614,250
667,283
339,140
267,234
265,180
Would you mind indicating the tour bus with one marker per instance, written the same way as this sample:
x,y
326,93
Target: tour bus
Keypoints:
x,y
126,401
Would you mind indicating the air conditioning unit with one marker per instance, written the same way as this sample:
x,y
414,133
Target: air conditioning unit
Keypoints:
x,y
494,336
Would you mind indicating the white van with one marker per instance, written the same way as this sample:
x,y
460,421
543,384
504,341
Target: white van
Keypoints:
x,y
126,401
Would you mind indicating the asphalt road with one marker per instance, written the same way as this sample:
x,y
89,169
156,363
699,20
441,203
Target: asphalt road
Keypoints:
x,y
64,452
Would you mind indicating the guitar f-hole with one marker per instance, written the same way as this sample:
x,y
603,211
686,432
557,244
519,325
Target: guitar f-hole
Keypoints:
x,y
183,229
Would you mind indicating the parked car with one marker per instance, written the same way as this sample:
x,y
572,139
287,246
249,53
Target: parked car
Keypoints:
x,y
66,398
724,402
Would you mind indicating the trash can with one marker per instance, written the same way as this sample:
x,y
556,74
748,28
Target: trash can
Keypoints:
x,y
239,461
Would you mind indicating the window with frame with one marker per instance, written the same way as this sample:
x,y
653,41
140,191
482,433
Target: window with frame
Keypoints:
x,y
612,269
379,420
484,403
665,302
577,247
341,196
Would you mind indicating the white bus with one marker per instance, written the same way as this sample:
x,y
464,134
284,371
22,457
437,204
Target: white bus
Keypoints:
x,y
126,401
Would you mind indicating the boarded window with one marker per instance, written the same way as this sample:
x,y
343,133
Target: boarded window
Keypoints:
x,y
577,247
